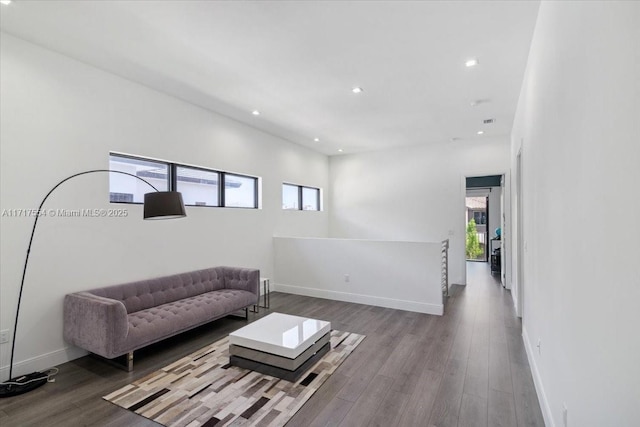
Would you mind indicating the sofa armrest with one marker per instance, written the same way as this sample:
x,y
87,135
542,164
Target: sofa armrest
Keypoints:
x,y
246,279
95,323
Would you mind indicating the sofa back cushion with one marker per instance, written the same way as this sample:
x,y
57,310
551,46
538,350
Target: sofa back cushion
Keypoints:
x,y
149,293
237,278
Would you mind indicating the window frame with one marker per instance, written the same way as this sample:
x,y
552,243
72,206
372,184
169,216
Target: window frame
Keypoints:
x,y
172,181
300,197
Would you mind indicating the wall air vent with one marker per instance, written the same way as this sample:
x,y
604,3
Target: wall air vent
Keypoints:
x,y
488,121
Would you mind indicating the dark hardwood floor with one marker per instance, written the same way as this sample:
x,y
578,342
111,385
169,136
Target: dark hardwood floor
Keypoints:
x,y
466,368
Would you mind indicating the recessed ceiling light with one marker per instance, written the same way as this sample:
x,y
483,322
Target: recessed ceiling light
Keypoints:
x,y
471,62
339,150
316,139
5,1
255,112
480,132
357,90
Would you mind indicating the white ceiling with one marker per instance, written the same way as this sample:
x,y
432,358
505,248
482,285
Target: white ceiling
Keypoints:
x,y
296,62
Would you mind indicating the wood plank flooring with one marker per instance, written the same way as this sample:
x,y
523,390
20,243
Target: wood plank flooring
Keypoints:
x,y
466,368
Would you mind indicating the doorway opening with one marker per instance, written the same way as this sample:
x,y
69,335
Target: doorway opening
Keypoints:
x,y
485,221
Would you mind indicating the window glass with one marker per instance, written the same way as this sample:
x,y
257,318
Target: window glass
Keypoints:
x,y
123,188
480,217
310,199
240,191
198,187
290,196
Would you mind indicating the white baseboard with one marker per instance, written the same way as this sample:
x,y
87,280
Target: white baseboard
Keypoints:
x,y
419,307
43,361
537,381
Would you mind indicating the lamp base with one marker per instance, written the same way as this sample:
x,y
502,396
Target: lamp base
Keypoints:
x,y
23,384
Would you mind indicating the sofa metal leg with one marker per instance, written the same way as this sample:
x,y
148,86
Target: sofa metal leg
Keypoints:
x,y
124,362
129,361
246,313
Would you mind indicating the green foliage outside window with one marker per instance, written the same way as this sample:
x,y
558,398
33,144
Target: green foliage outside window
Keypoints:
x,y
473,245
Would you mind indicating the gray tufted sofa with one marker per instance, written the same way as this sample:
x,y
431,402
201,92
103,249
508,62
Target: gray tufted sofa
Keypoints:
x,y
116,320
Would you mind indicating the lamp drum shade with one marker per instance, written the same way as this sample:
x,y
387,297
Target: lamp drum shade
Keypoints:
x,y
163,205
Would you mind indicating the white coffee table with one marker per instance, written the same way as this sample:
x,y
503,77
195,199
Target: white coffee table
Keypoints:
x,y
280,345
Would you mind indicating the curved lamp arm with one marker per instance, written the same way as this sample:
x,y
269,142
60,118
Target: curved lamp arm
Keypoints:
x,y
166,204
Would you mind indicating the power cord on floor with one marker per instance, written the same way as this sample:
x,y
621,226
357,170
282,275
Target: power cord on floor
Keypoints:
x,y
48,374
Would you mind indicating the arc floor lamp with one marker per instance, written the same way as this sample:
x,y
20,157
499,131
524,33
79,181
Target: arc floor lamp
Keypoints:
x,y
157,205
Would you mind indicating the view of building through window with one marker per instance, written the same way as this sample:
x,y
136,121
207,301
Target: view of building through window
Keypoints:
x,y
198,187
123,188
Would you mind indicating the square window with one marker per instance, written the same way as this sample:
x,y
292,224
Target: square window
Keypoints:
x,y
240,191
199,187
290,196
123,188
310,199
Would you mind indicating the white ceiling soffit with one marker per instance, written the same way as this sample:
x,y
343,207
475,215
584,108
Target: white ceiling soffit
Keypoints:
x,y
296,62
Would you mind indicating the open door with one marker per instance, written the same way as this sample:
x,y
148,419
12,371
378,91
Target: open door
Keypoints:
x,y
477,236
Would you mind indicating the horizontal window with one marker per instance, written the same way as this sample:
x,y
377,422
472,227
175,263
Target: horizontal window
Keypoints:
x,y
199,186
300,197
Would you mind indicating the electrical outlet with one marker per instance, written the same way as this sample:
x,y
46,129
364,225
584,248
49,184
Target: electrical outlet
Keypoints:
x,y
565,415
347,278
4,336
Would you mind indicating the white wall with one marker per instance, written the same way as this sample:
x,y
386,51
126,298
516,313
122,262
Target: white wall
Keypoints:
x,y
59,116
401,275
577,124
412,193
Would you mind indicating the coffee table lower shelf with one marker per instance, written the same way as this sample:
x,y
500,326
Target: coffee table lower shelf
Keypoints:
x,y
278,366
